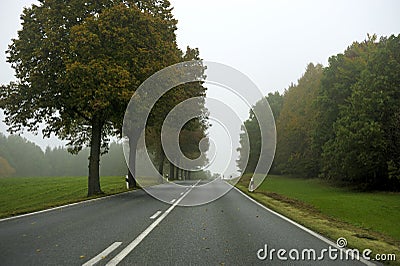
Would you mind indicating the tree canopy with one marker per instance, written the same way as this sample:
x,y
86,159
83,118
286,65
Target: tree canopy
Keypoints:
x,y
78,64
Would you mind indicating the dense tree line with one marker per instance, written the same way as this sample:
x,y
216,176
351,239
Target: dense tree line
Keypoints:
x,y
342,122
20,157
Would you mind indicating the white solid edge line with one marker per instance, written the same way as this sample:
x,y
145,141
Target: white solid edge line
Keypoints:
x,y
120,256
103,254
320,237
155,215
64,206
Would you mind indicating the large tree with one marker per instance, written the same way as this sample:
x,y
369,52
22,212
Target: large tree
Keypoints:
x,y
295,153
366,143
249,152
77,65
337,82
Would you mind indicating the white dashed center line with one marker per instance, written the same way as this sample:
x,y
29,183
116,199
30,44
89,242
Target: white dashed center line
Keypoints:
x,y
120,256
154,216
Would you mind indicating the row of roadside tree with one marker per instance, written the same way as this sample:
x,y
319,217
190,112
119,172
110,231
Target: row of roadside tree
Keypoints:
x,y
77,65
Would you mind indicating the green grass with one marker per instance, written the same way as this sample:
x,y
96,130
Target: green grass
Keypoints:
x,y
377,211
26,194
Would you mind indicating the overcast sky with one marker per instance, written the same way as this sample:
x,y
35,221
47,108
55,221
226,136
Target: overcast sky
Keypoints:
x,y
270,41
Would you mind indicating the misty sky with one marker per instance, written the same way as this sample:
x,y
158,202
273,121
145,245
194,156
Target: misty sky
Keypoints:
x,y
270,41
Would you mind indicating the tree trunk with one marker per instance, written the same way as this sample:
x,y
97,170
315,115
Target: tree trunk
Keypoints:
x,y
171,171
131,180
161,165
94,158
132,163
176,173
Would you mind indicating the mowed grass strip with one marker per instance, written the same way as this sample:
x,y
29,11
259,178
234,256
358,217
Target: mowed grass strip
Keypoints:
x,y
378,211
366,220
20,195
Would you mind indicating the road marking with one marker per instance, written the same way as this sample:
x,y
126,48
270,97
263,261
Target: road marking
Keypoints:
x,y
320,237
173,200
155,215
103,254
182,193
120,256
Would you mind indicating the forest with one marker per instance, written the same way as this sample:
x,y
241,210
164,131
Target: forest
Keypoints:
x,y
340,122
20,157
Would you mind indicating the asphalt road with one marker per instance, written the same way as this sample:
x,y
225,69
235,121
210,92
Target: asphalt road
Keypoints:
x,y
136,229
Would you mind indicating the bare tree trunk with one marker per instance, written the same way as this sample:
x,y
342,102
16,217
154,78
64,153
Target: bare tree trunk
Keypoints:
x,y
161,165
94,158
132,163
176,173
171,171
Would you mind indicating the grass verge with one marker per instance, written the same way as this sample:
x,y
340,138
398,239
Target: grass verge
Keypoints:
x,y
19,195
366,220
